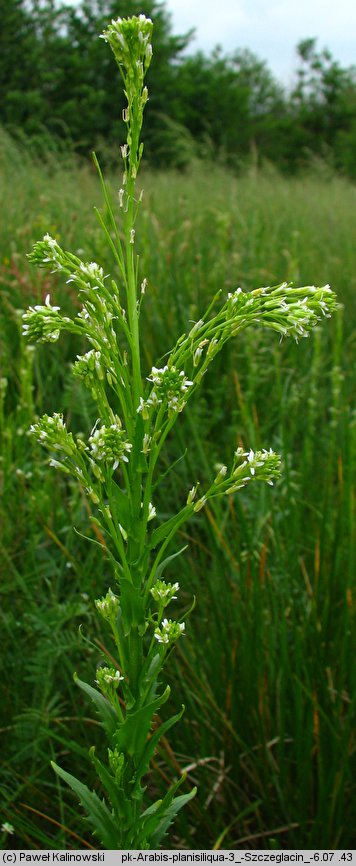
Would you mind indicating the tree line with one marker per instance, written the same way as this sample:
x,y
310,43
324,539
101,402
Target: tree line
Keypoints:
x,y
58,83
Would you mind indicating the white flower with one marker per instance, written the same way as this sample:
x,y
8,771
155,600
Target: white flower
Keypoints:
x,y
108,677
110,444
251,458
192,494
221,470
200,504
196,327
164,592
263,466
108,606
43,323
92,270
51,431
197,355
6,827
169,631
151,511
170,386
146,443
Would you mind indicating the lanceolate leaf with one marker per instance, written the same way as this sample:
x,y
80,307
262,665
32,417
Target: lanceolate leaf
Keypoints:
x,y
151,746
162,531
157,818
132,605
131,736
169,815
116,794
101,820
168,559
106,711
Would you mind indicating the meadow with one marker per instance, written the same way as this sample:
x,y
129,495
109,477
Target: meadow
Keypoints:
x,y
265,669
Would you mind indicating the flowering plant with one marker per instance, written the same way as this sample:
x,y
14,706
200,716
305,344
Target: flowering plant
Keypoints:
x,y
118,463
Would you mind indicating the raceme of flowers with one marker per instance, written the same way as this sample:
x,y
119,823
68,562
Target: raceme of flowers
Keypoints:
x,y
169,631
163,592
108,606
43,323
107,444
110,444
51,432
169,387
290,311
130,42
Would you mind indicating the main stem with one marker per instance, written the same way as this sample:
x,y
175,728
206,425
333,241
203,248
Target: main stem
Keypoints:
x,y
132,299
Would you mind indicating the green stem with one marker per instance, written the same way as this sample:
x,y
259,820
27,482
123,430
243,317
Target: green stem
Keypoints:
x,y
136,659
185,514
132,303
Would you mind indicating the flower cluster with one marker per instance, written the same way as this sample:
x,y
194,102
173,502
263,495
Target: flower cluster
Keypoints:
x,y
51,432
108,678
43,323
86,275
93,272
6,827
170,387
129,39
89,278
48,254
88,368
253,466
169,631
108,606
288,310
117,763
163,592
110,444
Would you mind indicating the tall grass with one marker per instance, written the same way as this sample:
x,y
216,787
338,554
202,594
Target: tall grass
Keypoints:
x,y
266,672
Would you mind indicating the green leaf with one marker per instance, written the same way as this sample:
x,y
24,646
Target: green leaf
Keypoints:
x,y
169,816
172,465
132,604
148,678
150,669
158,817
151,746
132,734
168,559
106,711
116,794
166,528
122,506
105,550
102,821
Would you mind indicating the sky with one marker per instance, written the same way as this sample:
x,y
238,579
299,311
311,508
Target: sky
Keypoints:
x,y
269,28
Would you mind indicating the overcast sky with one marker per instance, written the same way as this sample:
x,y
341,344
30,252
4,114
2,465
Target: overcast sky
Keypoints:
x,y
270,28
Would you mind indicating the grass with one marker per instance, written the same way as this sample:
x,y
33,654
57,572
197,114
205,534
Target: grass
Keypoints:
x,y
265,670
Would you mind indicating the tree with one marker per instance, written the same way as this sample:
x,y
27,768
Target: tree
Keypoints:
x,y
55,73
324,103
226,100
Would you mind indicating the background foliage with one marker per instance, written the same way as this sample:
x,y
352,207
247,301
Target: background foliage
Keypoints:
x,y
56,81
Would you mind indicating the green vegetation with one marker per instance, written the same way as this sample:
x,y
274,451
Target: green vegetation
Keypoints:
x,y
265,670
56,88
